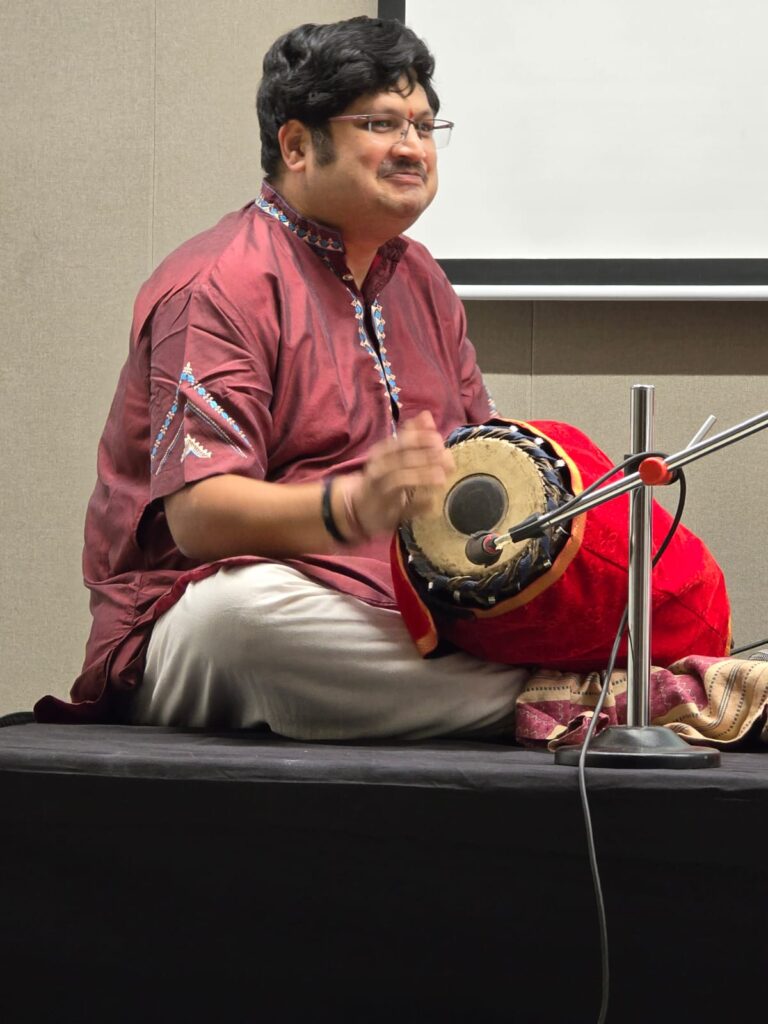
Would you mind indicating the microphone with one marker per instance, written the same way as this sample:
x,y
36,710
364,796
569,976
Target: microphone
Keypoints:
x,y
527,529
481,548
484,547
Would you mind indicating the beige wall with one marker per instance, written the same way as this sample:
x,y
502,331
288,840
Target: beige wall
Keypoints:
x,y
127,127
124,128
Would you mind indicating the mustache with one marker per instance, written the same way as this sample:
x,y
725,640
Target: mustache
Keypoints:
x,y
390,167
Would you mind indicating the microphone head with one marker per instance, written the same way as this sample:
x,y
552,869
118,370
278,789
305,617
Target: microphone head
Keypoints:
x,y
480,549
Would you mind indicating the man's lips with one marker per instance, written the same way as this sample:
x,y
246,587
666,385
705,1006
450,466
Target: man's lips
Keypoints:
x,y
406,173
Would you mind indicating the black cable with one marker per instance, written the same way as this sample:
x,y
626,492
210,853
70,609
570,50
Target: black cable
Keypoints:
x,y
582,782
682,494
17,718
748,646
601,918
625,464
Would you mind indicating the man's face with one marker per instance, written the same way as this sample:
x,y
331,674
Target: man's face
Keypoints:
x,y
373,186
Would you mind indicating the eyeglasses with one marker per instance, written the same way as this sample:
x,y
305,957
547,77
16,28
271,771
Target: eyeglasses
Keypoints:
x,y
394,128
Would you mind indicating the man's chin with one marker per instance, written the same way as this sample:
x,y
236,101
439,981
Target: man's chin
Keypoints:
x,y
408,202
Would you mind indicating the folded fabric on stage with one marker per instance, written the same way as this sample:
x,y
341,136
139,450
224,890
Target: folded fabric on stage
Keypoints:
x,y
717,701
559,601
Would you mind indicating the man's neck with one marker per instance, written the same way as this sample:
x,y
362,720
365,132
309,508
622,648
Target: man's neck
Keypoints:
x,y
360,256
360,249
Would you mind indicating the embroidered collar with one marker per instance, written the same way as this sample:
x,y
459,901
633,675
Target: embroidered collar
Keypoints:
x,y
329,246
319,237
328,243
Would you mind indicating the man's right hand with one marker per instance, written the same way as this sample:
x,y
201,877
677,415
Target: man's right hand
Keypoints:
x,y
401,477
228,515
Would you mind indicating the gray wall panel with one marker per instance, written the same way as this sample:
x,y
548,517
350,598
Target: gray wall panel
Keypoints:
x,y
75,165
124,128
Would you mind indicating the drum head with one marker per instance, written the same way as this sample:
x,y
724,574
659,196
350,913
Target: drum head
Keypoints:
x,y
495,486
503,475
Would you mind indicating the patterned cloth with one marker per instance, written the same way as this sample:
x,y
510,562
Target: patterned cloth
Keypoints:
x,y
717,701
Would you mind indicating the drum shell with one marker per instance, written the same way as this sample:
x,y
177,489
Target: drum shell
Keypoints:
x,y
567,618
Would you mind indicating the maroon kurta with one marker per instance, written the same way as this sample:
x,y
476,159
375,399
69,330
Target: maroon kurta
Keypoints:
x,y
253,352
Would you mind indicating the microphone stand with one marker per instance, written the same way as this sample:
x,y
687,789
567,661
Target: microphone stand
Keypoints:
x,y
638,744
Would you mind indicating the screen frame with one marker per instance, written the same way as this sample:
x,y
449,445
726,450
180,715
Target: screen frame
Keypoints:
x,y
743,278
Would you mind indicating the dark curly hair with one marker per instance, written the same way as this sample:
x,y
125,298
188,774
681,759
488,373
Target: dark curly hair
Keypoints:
x,y
315,71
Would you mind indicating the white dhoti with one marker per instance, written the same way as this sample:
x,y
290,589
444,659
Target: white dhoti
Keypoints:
x,y
264,645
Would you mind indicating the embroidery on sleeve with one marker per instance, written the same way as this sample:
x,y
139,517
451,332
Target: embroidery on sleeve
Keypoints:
x,y
193,447
188,378
169,449
169,416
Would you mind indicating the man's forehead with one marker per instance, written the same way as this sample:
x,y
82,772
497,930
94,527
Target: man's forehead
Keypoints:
x,y
411,101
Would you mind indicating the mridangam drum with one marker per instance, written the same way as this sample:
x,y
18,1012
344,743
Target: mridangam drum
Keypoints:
x,y
503,474
556,600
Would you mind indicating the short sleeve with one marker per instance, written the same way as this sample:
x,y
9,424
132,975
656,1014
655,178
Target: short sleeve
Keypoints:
x,y
210,390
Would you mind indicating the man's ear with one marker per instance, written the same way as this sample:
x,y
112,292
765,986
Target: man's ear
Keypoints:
x,y
295,140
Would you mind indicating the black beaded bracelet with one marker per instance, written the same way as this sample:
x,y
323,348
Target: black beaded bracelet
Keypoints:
x,y
328,521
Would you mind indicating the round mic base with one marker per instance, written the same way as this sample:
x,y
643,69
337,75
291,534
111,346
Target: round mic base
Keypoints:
x,y
646,746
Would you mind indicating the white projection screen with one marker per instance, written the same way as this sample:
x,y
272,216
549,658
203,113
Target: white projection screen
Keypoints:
x,y
616,146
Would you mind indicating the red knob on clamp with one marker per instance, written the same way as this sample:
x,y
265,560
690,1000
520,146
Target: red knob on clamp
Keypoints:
x,y
654,472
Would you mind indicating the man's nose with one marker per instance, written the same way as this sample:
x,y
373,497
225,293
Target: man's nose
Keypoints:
x,y
410,140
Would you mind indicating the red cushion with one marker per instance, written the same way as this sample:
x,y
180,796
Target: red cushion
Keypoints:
x,y
568,617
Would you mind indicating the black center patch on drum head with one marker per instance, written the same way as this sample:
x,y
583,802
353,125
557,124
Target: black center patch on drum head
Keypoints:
x,y
476,502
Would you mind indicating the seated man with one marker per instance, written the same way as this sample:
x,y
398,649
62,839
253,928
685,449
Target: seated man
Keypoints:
x,y
292,374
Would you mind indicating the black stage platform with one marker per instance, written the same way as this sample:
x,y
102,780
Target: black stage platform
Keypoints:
x,y
166,875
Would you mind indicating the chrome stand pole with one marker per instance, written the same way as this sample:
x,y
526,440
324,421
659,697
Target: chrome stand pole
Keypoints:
x,y
639,597
639,744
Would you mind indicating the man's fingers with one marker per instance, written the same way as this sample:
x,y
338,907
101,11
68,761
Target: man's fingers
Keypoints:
x,y
421,501
422,421
408,469
412,448
417,458
404,475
